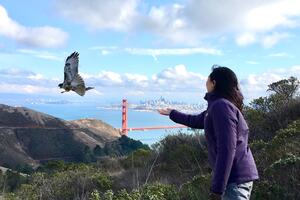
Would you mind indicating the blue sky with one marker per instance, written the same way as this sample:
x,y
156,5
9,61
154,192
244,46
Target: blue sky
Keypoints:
x,y
140,50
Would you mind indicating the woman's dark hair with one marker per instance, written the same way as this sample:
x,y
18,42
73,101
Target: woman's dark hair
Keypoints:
x,y
227,85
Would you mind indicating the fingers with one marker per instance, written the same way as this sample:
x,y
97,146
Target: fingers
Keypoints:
x,y
161,111
169,109
164,111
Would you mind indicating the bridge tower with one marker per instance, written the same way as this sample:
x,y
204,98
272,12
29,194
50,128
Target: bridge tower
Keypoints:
x,y
124,117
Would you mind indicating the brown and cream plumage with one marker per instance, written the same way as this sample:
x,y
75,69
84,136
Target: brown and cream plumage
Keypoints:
x,y
72,80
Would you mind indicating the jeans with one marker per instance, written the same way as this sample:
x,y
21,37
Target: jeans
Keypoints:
x,y
238,191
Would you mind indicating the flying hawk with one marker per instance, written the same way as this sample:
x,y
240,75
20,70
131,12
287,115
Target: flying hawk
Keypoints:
x,y
72,80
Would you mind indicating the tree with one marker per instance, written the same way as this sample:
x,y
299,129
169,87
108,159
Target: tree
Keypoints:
x,y
98,151
286,88
266,115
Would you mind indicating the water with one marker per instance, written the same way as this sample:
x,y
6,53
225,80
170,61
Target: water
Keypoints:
x,y
112,117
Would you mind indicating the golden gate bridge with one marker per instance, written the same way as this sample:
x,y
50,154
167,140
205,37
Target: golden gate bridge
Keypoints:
x,y
124,130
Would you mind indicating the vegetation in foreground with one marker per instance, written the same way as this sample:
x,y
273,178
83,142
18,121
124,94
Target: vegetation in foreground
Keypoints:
x,y
177,166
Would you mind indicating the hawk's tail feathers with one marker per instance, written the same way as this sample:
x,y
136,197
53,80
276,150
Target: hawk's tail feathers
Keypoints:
x,y
89,88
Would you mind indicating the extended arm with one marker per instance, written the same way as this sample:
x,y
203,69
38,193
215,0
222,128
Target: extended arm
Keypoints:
x,y
193,121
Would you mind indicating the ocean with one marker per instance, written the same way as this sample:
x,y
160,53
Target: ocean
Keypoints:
x,y
112,117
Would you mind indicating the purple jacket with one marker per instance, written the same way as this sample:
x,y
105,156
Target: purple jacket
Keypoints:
x,y
226,132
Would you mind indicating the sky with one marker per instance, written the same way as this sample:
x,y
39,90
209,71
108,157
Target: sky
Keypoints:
x,y
138,50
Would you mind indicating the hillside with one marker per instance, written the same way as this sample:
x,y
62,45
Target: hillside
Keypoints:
x,y
29,137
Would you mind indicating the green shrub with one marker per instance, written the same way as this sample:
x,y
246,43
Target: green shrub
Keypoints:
x,y
138,158
181,157
78,181
196,189
159,191
281,180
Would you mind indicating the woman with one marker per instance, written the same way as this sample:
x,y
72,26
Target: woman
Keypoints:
x,y
226,132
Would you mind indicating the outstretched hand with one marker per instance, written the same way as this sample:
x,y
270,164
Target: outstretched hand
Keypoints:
x,y
165,111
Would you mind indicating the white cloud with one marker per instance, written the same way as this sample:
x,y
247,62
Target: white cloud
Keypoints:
x,y
114,80
175,51
159,51
168,21
26,89
252,21
36,77
256,85
95,92
17,76
104,79
169,79
296,69
266,40
178,78
104,48
291,71
44,36
20,81
189,22
41,54
113,77
245,39
270,40
280,54
174,81
251,62
272,15
136,79
15,72
101,14
105,52
258,82
135,93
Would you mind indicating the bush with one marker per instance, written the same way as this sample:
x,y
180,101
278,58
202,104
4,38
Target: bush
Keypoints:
x,y
138,158
159,191
281,180
156,191
123,146
264,122
278,164
73,183
12,180
181,157
196,189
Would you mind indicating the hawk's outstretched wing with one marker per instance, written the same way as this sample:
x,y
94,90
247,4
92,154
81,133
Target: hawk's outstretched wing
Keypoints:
x,y
71,67
78,85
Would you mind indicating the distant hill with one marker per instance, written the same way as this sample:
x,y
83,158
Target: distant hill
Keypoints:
x,y
28,137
